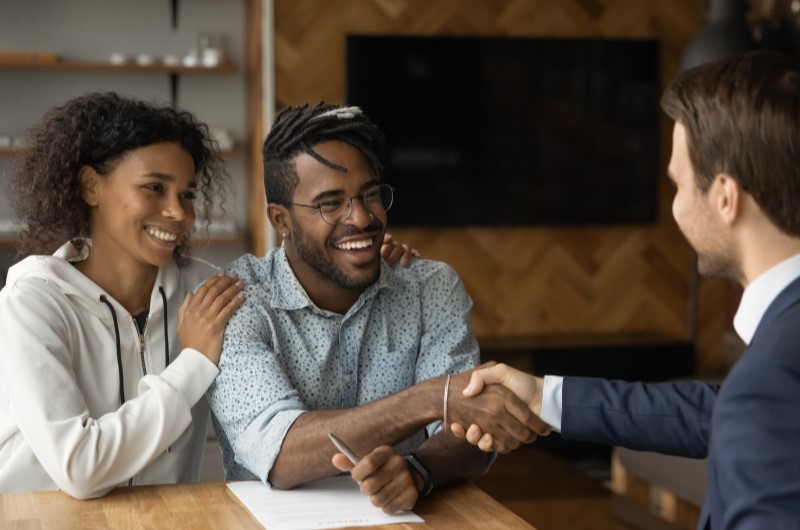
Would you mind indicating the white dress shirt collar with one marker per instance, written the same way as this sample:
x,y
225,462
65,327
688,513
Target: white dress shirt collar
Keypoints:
x,y
761,293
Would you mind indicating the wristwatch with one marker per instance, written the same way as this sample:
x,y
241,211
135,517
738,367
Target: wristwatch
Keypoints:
x,y
416,465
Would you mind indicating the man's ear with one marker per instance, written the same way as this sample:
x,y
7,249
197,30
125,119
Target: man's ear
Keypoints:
x,y
729,196
280,219
89,181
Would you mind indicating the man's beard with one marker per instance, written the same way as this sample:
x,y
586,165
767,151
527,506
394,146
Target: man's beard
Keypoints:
x,y
715,265
316,258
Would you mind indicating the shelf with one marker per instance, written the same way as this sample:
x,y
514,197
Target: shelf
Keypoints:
x,y
7,240
104,67
217,241
233,152
219,234
6,152
174,72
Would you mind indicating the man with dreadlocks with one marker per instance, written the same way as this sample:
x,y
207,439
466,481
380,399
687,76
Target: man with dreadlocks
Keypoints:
x,y
331,339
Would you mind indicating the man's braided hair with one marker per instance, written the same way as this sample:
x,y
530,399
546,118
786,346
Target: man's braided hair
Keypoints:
x,y
299,129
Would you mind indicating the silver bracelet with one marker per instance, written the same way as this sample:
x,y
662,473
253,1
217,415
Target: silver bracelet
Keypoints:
x,y
446,392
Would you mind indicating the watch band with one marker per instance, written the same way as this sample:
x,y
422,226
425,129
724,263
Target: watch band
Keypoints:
x,y
415,464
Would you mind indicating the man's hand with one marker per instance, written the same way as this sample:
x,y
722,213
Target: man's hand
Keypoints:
x,y
384,476
527,388
394,252
495,410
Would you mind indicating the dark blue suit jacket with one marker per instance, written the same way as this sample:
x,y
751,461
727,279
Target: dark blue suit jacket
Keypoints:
x,y
749,428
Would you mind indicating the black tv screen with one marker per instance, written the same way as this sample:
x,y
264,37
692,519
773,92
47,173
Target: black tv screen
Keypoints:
x,y
513,131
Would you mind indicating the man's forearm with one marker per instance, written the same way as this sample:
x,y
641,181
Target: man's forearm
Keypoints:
x,y
450,459
306,451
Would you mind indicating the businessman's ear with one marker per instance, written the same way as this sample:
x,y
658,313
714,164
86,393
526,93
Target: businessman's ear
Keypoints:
x,y
727,195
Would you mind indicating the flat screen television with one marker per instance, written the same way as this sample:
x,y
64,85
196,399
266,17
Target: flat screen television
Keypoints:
x,y
513,131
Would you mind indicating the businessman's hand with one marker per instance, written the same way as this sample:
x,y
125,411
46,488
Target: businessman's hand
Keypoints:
x,y
525,387
495,410
384,476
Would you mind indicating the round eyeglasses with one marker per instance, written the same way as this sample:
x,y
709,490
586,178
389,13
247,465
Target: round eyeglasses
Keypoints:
x,y
336,209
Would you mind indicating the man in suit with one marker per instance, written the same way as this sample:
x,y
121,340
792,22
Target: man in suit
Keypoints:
x,y
736,169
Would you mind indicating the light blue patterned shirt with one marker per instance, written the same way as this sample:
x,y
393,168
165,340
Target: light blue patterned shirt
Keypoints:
x,y
283,355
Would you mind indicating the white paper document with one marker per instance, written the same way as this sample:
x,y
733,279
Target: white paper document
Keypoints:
x,y
330,503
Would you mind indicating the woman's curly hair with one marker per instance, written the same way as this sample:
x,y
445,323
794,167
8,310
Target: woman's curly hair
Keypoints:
x,y
97,130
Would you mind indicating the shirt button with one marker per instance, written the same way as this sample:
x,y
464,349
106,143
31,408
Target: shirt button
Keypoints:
x,y
348,377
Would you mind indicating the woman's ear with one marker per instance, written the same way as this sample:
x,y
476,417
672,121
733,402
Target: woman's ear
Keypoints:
x,y
280,219
89,180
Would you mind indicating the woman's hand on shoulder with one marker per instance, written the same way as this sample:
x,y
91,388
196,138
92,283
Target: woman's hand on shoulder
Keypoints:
x,y
203,315
394,252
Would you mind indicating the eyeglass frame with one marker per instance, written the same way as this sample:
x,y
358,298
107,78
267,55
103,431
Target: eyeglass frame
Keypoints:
x,y
360,197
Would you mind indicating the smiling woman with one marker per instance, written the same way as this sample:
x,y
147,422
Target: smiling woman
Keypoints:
x,y
144,208
106,349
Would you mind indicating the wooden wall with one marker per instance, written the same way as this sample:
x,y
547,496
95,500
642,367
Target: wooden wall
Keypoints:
x,y
541,282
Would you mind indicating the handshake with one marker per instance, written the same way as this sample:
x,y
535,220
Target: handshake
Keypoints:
x,y
493,406
496,407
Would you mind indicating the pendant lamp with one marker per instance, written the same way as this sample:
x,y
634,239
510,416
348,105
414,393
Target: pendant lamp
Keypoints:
x,y
725,33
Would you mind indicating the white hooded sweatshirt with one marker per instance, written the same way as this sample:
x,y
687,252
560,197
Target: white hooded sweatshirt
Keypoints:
x,y
65,347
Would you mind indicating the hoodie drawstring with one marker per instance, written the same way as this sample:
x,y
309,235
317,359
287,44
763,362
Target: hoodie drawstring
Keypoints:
x,y
119,349
166,327
166,337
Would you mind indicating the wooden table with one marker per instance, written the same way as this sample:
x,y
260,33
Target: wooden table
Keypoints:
x,y
551,494
212,505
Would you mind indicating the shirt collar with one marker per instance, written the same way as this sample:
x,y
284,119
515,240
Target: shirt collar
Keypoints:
x,y
761,292
289,293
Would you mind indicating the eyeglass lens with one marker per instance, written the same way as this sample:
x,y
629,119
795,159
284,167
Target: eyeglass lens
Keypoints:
x,y
375,200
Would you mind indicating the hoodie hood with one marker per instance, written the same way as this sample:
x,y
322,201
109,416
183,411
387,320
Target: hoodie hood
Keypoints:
x,y
60,271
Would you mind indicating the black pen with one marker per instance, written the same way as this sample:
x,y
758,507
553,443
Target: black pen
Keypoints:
x,y
342,447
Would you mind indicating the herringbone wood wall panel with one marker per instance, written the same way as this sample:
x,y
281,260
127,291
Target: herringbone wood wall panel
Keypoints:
x,y
530,281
